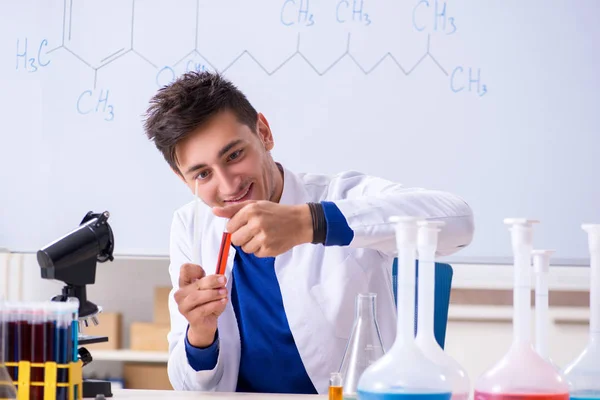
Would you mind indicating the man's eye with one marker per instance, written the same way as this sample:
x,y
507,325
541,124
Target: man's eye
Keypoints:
x,y
203,175
235,154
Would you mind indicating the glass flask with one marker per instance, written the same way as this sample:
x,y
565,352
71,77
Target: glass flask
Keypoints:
x,y
521,374
364,346
404,372
427,246
583,373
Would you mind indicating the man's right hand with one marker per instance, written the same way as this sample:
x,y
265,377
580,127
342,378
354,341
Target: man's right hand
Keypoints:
x,y
201,299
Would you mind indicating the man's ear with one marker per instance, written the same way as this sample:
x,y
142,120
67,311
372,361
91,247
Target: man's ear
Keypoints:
x,y
264,132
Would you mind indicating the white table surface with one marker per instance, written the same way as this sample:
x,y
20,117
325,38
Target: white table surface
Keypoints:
x,y
170,394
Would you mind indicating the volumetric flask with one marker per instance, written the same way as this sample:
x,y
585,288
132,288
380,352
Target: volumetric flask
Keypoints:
x,y
404,372
522,374
427,245
583,373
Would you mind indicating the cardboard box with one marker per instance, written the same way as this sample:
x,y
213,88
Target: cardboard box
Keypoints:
x,y
146,376
110,325
147,336
161,305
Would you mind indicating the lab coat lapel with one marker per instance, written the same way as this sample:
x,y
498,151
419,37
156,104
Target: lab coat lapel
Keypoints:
x,y
298,304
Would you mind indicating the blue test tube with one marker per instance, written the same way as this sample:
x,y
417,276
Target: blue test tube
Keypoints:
x,y
62,338
73,310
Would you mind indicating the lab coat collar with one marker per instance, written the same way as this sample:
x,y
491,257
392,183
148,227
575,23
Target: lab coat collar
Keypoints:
x,y
294,191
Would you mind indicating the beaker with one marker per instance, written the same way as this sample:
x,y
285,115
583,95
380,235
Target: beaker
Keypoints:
x,y
7,389
404,372
364,346
583,373
427,245
522,373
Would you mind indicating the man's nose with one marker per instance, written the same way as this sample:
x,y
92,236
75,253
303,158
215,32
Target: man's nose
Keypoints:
x,y
228,184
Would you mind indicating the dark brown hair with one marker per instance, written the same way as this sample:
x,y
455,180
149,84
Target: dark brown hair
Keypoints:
x,y
190,101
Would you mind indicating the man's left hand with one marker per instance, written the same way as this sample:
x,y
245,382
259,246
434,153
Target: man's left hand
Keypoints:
x,y
265,228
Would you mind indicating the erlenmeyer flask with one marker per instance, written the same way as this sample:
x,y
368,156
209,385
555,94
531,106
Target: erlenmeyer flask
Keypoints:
x,y
7,389
522,374
583,373
364,346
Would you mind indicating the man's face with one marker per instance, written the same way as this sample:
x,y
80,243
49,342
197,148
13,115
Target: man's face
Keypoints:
x,y
229,162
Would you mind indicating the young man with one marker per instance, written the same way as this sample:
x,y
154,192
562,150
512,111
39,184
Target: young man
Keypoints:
x,y
303,247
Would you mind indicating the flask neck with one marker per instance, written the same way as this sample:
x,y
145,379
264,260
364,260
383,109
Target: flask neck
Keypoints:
x,y
365,307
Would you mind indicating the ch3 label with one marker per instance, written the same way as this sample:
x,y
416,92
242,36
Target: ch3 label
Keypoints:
x,y
468,80
96,102
432,15
31,57
192,65
297,12
352,11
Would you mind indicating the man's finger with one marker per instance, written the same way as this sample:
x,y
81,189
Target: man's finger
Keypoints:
x,y
242,236
189,273
200,298
211,282
229,211
215,307
252,246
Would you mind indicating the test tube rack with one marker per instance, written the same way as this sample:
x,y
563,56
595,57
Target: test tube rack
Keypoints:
x,y
50,384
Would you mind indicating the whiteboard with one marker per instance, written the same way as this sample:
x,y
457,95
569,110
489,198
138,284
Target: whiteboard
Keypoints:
x,y
496,101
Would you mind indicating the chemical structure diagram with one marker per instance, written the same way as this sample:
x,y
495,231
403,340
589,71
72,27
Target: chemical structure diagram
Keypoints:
x,y
431,14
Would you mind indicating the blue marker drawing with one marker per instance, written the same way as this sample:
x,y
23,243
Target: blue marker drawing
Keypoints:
x,y
337,11
481,89
358,12
442,22
80,110
85,104
167,72
191,65
285,4
31,64
439,14
414,15
289,9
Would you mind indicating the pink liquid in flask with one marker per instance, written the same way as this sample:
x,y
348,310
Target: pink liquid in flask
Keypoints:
x,y
524,396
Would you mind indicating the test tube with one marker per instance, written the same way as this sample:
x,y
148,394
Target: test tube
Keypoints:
x,y
37,333
25,322
62,339
12,338
335,386
223,253
74,312
7,388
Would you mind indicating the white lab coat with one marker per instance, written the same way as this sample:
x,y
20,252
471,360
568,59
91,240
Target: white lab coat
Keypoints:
x,y
318,284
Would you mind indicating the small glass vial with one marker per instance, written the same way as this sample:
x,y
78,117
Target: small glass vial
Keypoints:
x,y
335,386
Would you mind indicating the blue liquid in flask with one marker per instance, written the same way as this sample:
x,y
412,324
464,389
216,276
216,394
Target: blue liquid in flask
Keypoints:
x,y
585,395
403,396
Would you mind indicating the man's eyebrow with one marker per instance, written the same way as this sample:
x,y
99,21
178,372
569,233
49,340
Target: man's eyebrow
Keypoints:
x,y
222,152
229,146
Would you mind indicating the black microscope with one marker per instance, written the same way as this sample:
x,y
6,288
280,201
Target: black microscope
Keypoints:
x,y
72,259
